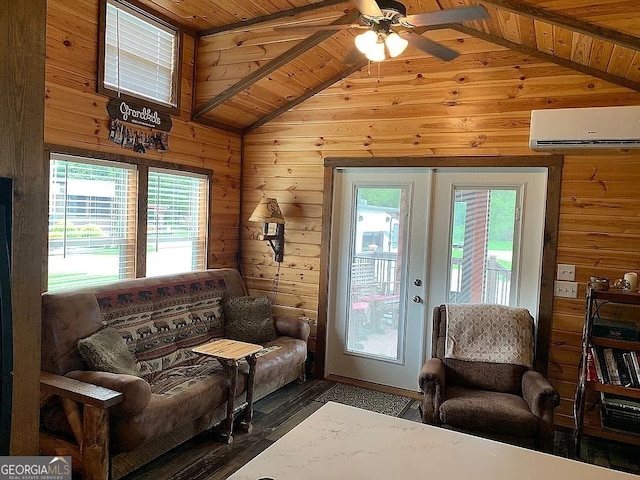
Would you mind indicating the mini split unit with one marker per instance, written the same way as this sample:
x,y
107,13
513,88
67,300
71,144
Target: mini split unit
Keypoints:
x,y
600,127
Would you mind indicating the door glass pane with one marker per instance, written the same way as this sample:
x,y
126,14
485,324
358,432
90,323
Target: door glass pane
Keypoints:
x,y
376,280
483,244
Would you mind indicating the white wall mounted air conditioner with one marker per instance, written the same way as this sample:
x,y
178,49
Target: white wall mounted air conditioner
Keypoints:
x,y
599,127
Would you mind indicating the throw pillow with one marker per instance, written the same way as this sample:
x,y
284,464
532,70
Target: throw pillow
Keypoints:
x,y
106,351
248,319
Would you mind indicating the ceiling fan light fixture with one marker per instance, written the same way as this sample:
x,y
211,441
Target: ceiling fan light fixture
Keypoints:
x,y
376,52
366,41
395,44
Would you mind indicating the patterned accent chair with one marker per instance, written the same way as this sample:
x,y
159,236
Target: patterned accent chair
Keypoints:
x,y
500,401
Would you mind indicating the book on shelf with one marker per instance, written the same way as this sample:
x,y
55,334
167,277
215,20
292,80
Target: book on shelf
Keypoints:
x,y
601,367
636,364
623,371
618,329
620,413
612,367
631,368
620,403
592,374
622,424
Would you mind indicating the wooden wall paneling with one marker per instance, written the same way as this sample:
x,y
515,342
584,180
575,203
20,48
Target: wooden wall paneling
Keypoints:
x,y
581,48
374,117
76,116
620,61
527,31
601,52
634,69
544,37
271,66
562,42
284,15
22,27
509,26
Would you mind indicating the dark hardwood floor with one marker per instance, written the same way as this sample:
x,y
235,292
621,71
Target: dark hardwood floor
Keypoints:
x,y
205,458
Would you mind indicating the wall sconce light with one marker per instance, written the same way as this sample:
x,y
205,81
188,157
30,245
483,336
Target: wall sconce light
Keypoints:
x,y
268,211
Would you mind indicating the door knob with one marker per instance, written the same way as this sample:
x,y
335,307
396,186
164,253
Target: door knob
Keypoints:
x,y
417,299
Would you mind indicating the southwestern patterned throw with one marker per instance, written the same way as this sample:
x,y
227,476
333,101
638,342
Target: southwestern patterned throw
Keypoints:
x,y
161,324
489,333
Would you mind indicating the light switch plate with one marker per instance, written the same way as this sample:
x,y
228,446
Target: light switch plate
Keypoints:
x,y
565,289
566,272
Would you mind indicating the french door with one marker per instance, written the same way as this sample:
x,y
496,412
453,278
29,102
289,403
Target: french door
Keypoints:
x,y
378,275
404,241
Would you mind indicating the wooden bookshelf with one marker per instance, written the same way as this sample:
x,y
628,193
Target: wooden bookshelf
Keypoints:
x,y
615,343
614,389
593,427
587,405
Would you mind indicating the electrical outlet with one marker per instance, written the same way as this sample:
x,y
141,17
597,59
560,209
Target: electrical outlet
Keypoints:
x,y
566,272
565,289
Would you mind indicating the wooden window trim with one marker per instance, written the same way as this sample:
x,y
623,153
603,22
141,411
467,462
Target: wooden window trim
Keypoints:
x,y
143,165
177,74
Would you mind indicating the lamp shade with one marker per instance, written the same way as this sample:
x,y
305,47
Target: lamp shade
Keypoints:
x,y
365,41
376,52
267,211
395,44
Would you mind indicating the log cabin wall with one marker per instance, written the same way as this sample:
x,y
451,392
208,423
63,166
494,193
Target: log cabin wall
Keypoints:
x,y
22,56
479,104
76,116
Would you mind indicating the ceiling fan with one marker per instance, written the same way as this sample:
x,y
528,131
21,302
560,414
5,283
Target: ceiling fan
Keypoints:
x,y
388,27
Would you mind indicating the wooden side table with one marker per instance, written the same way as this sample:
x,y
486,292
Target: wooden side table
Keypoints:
x,y
229,353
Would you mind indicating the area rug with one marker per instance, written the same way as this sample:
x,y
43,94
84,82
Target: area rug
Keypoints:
x,y
372,400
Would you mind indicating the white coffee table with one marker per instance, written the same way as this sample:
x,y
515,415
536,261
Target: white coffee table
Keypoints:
x,y
341,442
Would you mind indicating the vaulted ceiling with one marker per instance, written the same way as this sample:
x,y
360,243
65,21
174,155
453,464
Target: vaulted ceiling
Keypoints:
x,y
250,70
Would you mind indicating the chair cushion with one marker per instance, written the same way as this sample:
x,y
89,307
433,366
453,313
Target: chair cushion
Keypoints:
x,y
489,412
496,377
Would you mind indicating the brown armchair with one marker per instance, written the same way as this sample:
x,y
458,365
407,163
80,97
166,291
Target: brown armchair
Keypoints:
x,y
504,402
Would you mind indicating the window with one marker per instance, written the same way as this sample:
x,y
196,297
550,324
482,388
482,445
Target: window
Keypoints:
x,y
139,55
91,221
94,231
176,222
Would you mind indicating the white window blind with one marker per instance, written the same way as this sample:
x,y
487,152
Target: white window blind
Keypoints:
x,y
92,218
176,222
140,55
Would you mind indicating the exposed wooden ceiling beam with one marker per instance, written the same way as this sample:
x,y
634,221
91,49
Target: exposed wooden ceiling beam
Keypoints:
x,y
326,84
219,125
547,57
569,23
267,18
273,65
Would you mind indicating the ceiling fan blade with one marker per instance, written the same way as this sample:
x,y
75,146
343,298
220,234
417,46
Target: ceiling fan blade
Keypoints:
x,y
316,28
454,15
430,47
368,7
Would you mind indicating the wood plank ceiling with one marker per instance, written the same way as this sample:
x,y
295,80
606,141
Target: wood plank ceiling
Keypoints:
x,y
248,71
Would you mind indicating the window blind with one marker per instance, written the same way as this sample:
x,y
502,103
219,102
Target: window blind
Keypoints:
x,y
92,219
176,222
140,54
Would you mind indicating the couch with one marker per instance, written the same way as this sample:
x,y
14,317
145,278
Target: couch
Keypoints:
x,y
502,401
111,422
